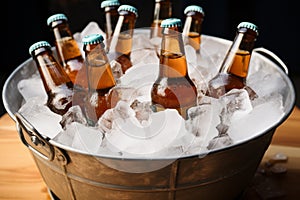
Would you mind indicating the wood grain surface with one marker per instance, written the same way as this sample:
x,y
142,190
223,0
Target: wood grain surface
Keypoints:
x,y
20,178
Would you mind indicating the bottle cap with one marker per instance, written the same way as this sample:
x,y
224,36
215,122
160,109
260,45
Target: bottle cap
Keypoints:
x,y
56,17
38,45
193,8
128,8
171,22
108,3
92,39
248,25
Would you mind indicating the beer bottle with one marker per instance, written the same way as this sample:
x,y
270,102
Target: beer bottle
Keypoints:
x,y
67,48
111,17
57,83
100,77
162,10
121,42
234,69
173,88
193,26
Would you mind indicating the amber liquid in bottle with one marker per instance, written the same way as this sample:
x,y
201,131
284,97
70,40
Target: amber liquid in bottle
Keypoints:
x,y
100,81
194,40
176,90
70,56
235,79
123,50
57,84
100,86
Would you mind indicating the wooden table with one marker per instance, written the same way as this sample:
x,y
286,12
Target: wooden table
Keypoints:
x,y
20,178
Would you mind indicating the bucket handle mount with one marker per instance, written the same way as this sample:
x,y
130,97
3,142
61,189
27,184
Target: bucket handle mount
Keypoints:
x,y
33,139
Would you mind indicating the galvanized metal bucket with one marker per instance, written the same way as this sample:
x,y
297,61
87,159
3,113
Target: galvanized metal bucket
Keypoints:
x,y
71,174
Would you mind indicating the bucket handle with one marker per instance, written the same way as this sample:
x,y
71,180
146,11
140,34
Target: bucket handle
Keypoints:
x,y
33,139
273,57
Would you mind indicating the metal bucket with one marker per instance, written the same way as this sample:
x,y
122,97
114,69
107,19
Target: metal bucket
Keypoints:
x,y
71,174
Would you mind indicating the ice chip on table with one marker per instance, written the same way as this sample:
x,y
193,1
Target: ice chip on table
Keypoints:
x,y
41,117
74,114
32,87
80,137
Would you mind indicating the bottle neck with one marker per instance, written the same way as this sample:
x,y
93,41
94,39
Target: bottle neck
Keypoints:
x,y
162,10
111,19
172,57
100,76
238,57
65,43
52,73
121,42
193,23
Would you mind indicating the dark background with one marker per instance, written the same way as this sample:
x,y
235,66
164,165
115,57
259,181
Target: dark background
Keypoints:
x,y
277,20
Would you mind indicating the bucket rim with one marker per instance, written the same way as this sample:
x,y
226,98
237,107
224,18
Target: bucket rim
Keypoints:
x,y
286,114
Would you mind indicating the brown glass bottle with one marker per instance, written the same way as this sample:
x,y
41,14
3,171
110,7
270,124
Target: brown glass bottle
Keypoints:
x,y
121,42
100,77
67,48
173,88
162,10
111,18
234,69
57,83
192,29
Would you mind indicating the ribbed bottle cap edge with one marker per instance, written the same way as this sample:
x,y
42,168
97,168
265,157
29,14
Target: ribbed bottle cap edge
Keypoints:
x,y
193,8
56,17
128,8
171,22
92,39
38,45
109,3
248,25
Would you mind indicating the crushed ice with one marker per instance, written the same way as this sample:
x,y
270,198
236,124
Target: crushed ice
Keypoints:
x,y
131,128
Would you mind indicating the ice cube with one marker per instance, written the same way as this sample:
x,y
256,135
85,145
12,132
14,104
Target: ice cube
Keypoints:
x,y
128,135
74,114
142,111
266,82
80,137
199,119
236,104
32,87
91,28
262,117
116,68
121,111
220,141
144,56
41,117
